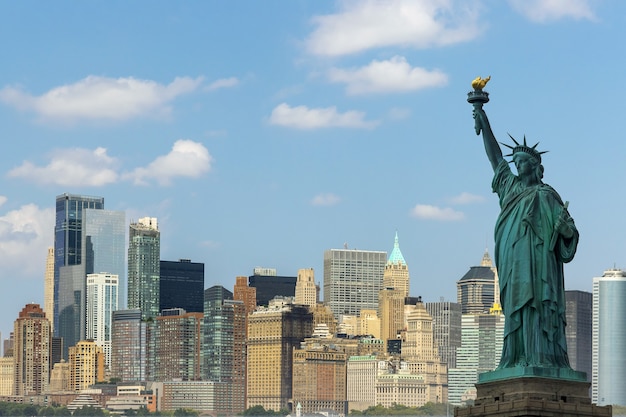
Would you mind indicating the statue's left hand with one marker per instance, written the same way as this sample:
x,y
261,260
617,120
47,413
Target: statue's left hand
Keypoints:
x,y
563,226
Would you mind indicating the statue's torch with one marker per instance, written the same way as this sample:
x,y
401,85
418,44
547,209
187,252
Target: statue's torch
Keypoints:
x,y
478,97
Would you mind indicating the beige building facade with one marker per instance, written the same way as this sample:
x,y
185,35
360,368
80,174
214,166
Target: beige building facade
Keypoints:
x,y
306,290
86,361
273,333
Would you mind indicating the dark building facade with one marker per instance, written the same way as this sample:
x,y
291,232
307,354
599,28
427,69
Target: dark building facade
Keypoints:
x,y
182,285
578,332
270,286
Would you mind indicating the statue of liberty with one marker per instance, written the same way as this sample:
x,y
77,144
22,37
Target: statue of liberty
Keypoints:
x,y
534,237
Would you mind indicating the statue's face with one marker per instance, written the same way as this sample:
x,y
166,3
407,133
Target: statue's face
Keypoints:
x,y
525,164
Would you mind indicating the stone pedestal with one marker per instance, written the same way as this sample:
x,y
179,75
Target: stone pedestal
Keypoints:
x,y
528,395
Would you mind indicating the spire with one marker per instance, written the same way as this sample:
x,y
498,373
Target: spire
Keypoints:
x,y
396,256
486,260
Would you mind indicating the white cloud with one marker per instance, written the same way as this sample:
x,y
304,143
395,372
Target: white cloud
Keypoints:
x,y
71,167
467,198
399,113
550,10
366,24
327,199
25,234
223,83
3,200
427,212
392,76
101,98
301,117
186,159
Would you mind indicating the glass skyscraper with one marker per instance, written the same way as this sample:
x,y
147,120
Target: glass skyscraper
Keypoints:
x,y
609,339
68,233
182,285
104,245
144,252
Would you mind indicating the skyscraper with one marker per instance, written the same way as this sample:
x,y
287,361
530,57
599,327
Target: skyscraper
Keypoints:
x,y
68,251
129,346
102,295
86,365
481,347
181,285
396,275
32,334
104,241
306,289
269,285
224,345
48,287
352,280
175,350
446,329
609,338
273,333
578,315
477,289
144,251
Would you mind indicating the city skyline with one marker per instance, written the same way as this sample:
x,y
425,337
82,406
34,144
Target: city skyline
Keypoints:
x,y
266,138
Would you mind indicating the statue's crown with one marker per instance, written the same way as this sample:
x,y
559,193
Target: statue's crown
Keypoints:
x,y
530,150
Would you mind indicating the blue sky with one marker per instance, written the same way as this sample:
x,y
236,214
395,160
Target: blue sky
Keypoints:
x,y
263,133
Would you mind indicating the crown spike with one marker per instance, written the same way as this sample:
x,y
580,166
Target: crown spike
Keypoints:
x,y
513,139
525,144
535,147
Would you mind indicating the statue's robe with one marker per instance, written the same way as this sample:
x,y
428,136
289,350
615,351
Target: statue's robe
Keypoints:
x,y
529,255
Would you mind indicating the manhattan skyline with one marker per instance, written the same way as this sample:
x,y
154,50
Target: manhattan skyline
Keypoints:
x,y
263,134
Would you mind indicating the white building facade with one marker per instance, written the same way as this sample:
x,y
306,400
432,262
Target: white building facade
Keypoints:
x,y
102,301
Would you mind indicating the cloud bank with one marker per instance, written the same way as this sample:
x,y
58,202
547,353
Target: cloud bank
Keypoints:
x,y
428,212
365,24
302,117
77,167
101,98
327,199
391,76
542,11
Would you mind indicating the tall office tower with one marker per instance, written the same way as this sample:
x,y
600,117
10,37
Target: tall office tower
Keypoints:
x,y
420,352
245,293
481,347
391,314
69,267
446,329
319,377
86,365
396,273
352,280
129,342
273,333
476,291
578,332
306,289
609,339
48,287
181,285
104,245
269,285
224,345
102,301
175,346
144,255
7,376
31,352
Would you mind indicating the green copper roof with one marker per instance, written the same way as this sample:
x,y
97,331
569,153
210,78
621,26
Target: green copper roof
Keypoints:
x,y
396,256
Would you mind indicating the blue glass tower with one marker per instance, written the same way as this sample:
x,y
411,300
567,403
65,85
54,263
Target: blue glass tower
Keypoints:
x,y
68,233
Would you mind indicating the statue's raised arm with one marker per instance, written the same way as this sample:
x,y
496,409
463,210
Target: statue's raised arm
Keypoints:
x,y
481,123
